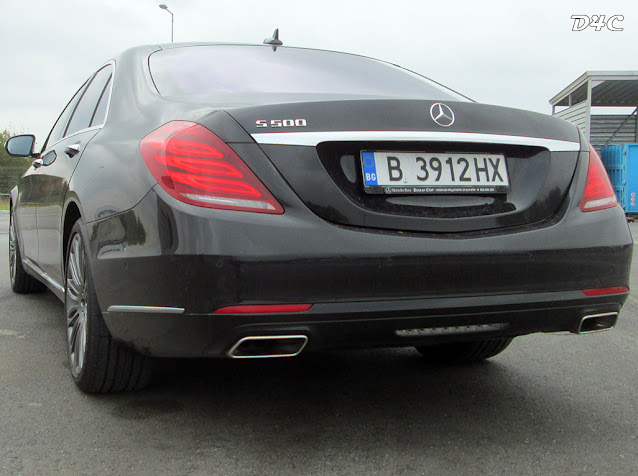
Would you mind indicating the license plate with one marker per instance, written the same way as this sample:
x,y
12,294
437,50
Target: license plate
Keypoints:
x,y
422,173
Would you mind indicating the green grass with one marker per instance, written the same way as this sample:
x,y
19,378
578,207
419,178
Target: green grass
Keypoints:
x,y
4,203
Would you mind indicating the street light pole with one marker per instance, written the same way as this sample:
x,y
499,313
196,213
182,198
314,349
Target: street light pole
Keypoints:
x,y
163,6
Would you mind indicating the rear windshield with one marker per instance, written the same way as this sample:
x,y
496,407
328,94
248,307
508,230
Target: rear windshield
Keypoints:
x,y
218,69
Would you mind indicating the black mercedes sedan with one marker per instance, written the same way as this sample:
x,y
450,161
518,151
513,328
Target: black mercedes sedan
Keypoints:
x,y
249,201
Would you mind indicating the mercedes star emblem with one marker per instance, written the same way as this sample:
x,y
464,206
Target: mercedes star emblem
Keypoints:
x,y
442,114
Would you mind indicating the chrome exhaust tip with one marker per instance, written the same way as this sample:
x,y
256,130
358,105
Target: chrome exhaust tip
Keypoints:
x,y
597,322
268,347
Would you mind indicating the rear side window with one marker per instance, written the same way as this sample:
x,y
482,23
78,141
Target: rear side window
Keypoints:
x,y
99,116
86,109
219,69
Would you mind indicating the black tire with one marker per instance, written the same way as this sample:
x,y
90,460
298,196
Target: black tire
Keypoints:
x,y
464,352
98,363
21,282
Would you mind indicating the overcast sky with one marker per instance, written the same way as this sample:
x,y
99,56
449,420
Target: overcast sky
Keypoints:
x,y
510,53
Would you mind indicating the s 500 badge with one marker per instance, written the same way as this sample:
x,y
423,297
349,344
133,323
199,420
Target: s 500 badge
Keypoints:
x,y
281,123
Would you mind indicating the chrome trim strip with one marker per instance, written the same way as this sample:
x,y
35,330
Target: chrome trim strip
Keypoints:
x,y
314,138
147,309
273,356
36,269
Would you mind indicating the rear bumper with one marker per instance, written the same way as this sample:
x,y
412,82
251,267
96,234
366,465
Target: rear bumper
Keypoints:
x,y
364,284
362,324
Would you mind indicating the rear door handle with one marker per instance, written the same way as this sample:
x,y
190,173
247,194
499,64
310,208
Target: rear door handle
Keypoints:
x,y
73,149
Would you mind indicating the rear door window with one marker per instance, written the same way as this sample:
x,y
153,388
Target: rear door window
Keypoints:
x,y
85,111
60,126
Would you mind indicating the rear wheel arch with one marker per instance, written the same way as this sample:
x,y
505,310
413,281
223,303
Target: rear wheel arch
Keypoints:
x,y
72,214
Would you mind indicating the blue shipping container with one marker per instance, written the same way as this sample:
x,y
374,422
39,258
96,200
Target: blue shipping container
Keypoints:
x,y
621,162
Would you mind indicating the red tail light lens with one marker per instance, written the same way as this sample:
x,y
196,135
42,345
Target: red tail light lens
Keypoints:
x,y
598,193
263,309
606,291
197,167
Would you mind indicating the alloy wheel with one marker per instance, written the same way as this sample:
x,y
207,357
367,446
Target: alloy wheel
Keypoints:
x,y
76,304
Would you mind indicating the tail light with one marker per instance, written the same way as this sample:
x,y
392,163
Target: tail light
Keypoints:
x,y
195,166
598,194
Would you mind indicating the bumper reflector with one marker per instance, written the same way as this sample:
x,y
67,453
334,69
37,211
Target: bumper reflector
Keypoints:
x,y
605,291
437,331
263,309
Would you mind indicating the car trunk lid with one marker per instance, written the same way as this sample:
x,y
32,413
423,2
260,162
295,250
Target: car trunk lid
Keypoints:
x,y
319,148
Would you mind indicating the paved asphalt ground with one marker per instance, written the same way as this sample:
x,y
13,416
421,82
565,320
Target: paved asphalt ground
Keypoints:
x,y
550,404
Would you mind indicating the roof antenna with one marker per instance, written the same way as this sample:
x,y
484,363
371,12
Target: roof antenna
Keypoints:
x,y
274,40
